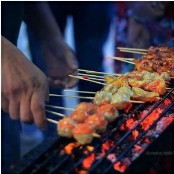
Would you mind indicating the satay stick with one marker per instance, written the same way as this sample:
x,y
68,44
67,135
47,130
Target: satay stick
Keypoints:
x,y
55,122
92,78
79,77
120,59
97,72
91,75
130,51
124,58
85,92
96,135
52,121
55,113
83,97
59,107
134,49
168,88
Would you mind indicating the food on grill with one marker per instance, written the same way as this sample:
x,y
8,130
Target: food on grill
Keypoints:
x,y
110,88
162,49
97,121
143,95
83,133
78,115
89,108
148,81
159,59
108,111
158,85
82,111
102,96
65,127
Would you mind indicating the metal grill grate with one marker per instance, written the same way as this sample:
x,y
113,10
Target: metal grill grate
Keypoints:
x,y
47,158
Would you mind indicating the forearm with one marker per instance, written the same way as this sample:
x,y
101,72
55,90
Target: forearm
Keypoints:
x,y
40,20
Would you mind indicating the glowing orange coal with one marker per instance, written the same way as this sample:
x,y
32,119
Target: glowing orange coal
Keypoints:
x,y
87,162
68,148
135,134
130,123
151,118
120,167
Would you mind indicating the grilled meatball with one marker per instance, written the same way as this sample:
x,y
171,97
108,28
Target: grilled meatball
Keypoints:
x,y
65,127
89,108
97,121
108,111
78,115
83,133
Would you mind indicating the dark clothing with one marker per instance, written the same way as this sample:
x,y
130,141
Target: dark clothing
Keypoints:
x,y
91,27
12,15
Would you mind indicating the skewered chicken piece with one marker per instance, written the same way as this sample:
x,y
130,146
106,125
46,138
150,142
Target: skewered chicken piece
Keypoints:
x,y
148,81
102,96
110,88
158,85
98,122
156,62
143,95
158,49
83,133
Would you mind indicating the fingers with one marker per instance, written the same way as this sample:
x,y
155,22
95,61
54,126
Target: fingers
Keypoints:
x,y
14,108
4,103
25,111
55,83
71,83
38,108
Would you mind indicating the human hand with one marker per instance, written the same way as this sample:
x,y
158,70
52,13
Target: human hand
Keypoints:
x,y
60,61
24,87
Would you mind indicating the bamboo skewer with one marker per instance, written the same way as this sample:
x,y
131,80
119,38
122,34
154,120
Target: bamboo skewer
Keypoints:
x,y
52,121
79,77
97,72
59,107
123,60
91,75
133,101
83,97
55,122
135,49
130,51
92,78
55,113
85,92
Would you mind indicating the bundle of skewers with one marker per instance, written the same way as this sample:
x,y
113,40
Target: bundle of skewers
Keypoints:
x,y
155,59
85,121
119,91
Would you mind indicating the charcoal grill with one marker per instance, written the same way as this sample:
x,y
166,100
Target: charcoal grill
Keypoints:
x,y
50,157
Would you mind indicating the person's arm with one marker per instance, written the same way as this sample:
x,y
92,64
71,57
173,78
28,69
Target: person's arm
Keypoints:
x,y
23,87
59,59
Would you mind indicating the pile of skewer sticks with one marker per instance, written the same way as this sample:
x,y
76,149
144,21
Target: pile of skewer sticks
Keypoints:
x,y
95,77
